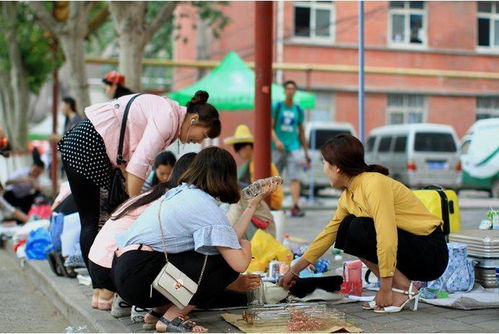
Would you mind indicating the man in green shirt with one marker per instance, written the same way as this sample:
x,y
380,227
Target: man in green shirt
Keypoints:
x,y
288,137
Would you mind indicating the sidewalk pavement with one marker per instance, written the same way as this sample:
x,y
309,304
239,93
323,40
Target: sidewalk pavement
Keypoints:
x,y
73,302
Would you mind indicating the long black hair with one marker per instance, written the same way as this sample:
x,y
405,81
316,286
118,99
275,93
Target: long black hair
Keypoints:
x,y
180,167
208,114
347,153
166,158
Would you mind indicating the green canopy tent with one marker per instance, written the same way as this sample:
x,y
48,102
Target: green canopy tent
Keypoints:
x,y
231,86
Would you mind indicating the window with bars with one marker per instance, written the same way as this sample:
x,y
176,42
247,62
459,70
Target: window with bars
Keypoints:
x,y
487,107
407,23
404,108
314,20
488,24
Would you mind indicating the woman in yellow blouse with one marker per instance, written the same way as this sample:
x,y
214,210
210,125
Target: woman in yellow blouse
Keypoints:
x,y
380,221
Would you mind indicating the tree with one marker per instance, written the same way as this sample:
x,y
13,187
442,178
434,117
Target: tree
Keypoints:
x,y
134,32
137,22
26,60
70,27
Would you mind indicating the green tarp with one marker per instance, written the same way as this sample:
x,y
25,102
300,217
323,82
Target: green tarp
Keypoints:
x,y
231,86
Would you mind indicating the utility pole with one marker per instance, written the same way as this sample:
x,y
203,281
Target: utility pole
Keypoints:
x,y
263,83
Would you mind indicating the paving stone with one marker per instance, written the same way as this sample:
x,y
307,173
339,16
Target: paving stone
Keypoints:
x,y
477,318
492,325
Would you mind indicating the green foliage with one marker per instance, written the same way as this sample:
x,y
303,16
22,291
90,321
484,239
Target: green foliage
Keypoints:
x,y
35,47
210,12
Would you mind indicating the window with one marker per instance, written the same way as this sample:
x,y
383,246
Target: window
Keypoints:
x,y
488,24
434,142
407,23
324,107
487,107
370,144
314,20
384,144
400,144
322,136
405,108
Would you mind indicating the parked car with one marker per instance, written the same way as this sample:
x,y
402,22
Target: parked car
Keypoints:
x,y
480,156
417,154
317,134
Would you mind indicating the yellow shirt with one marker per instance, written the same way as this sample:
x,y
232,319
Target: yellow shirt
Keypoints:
x,y
391,205
278,195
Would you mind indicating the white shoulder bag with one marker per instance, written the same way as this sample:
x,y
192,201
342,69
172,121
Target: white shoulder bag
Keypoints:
x,y
171,282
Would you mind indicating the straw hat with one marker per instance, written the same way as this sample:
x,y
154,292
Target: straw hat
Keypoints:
x,y
242,135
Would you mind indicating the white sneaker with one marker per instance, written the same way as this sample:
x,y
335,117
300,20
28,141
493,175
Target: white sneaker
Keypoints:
x,y
120,308
137,314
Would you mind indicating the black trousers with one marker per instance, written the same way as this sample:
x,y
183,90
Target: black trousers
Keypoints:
x,y
419,258
24,203
101,277
134,271
86,195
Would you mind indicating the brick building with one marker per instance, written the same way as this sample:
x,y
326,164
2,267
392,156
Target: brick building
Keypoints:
x,y
438,36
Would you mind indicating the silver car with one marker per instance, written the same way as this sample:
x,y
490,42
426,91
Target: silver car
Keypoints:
x,y
417,154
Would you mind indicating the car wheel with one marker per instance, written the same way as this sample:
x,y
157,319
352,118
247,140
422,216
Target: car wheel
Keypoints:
x,y
494,190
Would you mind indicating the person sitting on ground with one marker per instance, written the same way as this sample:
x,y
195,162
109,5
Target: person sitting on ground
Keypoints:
x,y
102,250
188,224
8,211
161,170
382,222
114,85
242,142
22,187
104,246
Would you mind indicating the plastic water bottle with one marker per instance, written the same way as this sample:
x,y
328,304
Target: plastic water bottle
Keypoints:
x,y
256,187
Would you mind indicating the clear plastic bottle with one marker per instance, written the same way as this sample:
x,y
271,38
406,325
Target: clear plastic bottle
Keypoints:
x,y
256,187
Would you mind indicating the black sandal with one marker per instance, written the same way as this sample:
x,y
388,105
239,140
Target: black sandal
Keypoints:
x,y
152,325
179,325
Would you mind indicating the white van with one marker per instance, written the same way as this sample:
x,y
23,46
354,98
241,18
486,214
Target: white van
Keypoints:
x,y
480,156
317,134
417,154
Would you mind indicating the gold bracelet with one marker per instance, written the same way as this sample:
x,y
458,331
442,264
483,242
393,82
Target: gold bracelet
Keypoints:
x,y
294,273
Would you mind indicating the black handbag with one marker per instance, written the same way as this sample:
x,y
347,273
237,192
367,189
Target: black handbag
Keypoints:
x,y
117,192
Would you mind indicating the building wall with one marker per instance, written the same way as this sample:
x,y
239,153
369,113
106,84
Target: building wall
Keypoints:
x,y
452,39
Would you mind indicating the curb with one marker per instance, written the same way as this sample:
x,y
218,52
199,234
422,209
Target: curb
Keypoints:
x,y
68,297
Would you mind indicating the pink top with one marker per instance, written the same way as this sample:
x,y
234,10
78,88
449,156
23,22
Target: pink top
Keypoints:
x,y
153,124
104,246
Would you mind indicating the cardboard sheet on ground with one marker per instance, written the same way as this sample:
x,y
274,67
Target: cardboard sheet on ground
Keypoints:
x,y
237,321
477,298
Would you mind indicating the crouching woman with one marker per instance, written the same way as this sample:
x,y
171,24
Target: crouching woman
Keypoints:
x,y
194,227
380,221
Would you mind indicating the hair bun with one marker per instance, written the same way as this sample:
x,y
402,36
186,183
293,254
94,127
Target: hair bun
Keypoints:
x,y
201,96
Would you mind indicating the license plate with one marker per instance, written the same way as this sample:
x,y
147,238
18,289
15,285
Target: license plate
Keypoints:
x,y
436,165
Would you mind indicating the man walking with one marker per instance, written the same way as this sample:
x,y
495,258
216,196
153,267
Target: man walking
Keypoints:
x,y
288,136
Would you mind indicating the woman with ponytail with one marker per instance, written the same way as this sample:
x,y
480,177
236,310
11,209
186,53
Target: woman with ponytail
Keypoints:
x,y
89,151
380,221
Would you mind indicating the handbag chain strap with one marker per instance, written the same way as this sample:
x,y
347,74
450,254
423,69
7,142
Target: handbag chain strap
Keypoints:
x,y
164,242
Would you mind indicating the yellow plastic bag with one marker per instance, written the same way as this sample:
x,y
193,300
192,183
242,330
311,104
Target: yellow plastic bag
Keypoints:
x,y
266,248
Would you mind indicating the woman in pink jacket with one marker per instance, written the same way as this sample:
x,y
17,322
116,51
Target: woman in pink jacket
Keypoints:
x,y
89,151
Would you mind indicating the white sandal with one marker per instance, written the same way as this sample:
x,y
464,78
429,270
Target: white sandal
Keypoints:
x,y
413,297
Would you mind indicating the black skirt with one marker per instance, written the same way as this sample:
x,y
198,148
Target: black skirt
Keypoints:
x,y
419,258
83,150
134,271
